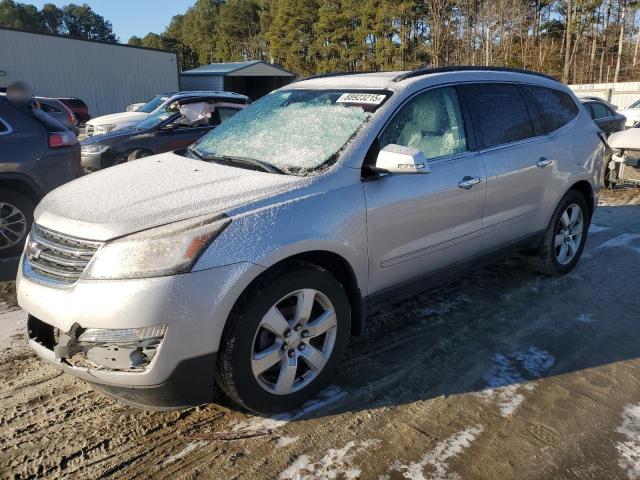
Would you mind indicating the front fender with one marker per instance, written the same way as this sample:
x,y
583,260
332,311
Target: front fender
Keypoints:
x,y
332,221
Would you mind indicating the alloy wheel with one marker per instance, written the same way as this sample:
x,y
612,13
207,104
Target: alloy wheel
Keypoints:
x,y
294,341
13,225
568,235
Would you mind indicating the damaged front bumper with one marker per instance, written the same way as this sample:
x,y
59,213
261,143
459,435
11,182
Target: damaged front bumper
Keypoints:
x,y
150,341
131,349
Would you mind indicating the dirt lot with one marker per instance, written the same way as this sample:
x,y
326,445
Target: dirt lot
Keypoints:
x,y
504,374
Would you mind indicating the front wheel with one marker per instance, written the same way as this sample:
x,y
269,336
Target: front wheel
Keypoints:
x,y
16,217
565,236
284,340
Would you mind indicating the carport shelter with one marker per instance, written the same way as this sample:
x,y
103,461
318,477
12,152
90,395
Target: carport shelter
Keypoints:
x,y
253,79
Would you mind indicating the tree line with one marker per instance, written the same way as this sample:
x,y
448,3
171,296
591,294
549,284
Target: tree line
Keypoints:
x,y
578,41
75,21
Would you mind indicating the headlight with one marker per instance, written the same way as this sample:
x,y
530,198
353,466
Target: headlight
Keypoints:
x,y
104,128
93,149
124,335
164,250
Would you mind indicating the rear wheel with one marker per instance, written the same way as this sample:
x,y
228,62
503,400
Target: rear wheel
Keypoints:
x,y
565,237
16,217
283,342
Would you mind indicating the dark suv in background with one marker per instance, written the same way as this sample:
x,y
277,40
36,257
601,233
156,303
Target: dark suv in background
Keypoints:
x,y
33,161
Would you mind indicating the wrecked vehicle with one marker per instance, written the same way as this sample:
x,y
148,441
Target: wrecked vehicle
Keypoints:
x,y
244,262
623,165
185,119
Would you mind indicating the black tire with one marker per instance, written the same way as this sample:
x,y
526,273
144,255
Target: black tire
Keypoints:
x,y
235,375
137,154
545,257
26,206
605,174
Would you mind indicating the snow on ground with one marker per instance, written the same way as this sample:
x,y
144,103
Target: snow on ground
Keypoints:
x,y
337,463
256,423
506,377
623,240
585,318
593,228
189,448
437,460
629,448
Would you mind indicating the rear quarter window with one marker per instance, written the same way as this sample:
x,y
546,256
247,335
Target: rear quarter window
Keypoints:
x,y
499,112
550,109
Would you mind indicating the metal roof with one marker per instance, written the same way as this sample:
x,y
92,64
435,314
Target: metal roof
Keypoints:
x,y
222,69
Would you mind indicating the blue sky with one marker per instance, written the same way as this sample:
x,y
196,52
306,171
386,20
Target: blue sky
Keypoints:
x,y
130,17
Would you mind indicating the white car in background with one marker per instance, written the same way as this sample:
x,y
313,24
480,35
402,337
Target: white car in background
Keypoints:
x,y
632,112
118,121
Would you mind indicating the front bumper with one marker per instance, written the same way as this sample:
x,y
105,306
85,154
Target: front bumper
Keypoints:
x,y
194,306
91,161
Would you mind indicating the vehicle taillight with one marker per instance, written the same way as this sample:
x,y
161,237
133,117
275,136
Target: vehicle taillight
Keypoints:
x,y
62,139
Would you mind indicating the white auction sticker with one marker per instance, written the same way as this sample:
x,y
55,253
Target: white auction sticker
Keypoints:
x,y
366,98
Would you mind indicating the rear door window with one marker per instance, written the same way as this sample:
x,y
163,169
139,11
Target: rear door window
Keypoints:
x,y
499,112
550,109
46,108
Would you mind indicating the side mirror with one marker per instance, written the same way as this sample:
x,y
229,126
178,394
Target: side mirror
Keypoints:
x,y
399,159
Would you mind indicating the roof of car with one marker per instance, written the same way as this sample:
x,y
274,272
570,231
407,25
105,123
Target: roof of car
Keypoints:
x,y
392,80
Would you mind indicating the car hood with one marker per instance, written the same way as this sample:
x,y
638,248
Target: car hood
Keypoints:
x,y
627,139
116,118
150,192
111,138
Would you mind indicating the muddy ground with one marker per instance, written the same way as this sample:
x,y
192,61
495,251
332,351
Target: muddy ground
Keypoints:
x,y
502,374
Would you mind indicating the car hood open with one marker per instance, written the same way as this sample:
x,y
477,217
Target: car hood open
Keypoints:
x,y
627,139
150,192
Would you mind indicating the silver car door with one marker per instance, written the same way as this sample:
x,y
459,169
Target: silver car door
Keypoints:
x,y
516,162
419,223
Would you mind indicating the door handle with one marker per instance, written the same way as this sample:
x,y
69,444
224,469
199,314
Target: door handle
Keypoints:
x,y
543,162
468,182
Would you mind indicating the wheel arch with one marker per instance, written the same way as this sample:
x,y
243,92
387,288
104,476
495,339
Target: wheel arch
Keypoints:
x,y
336,264
22,184
586,190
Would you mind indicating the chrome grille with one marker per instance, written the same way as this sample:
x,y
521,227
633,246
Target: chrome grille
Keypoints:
x,y
57,256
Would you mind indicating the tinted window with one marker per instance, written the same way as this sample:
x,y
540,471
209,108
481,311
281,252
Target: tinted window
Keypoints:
x,y
600,111
75,103
45,107
3,127
499,112
431,122
550,109
226,112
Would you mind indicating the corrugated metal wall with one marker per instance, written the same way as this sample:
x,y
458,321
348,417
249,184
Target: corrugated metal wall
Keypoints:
x,y
201,82
620,94
106,77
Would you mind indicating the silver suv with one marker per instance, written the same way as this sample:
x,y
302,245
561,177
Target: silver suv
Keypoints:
x,y
246,261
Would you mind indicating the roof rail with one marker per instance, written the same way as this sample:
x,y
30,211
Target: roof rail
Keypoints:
x,y
466,68
333,74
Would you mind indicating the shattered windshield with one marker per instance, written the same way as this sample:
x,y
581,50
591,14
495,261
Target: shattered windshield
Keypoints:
x,y
295,131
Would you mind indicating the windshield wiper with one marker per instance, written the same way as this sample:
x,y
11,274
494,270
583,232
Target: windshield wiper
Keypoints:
x,y
245,161
196,154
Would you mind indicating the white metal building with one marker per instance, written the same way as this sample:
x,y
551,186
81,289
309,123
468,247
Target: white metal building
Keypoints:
x,y
252,78
108,77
